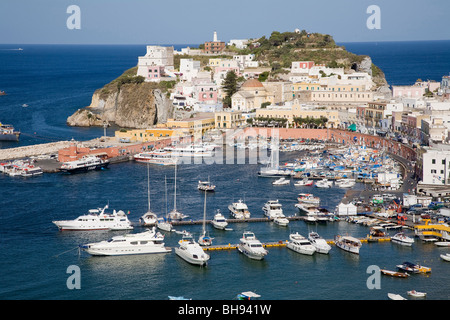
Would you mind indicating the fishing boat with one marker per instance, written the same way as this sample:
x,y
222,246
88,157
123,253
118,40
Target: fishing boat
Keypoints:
x,y
206,186
251,247
348,243
416,294
149,218
394,296
85,164
319,243
300,244
445,257
219,221
272,209
159,157
204,240
239,210
413,268
97,219
147,242
190,251
8,133
402,239
304,182
282,181
308,198
394,273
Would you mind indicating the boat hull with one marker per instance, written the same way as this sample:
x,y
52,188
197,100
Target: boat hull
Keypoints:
x,y
252,255
101,166
9,137
128,250
188,258
301,249
347,248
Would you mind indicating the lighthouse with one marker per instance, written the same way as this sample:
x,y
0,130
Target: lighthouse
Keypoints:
x,y
215,37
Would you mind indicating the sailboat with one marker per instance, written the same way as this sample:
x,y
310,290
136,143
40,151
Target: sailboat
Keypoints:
x,y
149,218
204,240
163,223
175,215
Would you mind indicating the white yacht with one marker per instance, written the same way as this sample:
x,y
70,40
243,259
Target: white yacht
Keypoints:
x,y
139,243
304,182
190,151
159,157
251,247
272,209
97,219
239,210
281,220
403,239
206,186
308,198
190,251
348,243
319,243
300,244
219,221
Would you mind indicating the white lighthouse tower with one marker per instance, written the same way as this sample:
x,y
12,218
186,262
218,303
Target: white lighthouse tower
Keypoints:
x,y
215,37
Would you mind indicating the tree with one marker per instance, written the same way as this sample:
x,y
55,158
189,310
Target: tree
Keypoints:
x,y
229,87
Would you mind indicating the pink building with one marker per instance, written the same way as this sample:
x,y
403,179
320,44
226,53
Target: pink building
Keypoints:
x,y
155,73
206,93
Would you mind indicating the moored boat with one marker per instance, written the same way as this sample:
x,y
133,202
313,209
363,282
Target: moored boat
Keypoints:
x,y
97,219
219,221
147,242
402,239
8,133
190,251
87,163
394,296
416,294
308,198
239,210
280,182
272,209
251,246
159,157
413,267
300,244
206,186
348,243
445,257
319,243
304,182
394,273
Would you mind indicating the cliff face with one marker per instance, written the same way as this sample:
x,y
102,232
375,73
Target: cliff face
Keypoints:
x,y
128,105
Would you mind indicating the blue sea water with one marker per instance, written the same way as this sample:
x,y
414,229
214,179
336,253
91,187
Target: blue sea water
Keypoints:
x,y
34,257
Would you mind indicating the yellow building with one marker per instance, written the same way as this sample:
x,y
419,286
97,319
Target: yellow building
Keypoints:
x,y
228,119
214,62
147,135
200,123
297,111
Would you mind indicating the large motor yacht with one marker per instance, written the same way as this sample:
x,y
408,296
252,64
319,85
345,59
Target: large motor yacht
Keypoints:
x,y
251,247
190,251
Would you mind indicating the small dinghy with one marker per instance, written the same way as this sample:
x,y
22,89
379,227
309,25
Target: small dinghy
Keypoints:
x,y
416,294
394,296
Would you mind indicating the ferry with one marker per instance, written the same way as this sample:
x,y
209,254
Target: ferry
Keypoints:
x,y
190,251
348,243
147,242
251,247
97,219
87,163
22,168
159,157
8,133
190,151
239,210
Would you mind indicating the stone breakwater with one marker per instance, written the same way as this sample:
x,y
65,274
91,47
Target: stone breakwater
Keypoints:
x,y
33,150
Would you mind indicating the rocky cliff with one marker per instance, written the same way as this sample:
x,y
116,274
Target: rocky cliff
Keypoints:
x,y
128,102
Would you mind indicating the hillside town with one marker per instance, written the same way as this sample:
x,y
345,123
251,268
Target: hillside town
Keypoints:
x,y
306,95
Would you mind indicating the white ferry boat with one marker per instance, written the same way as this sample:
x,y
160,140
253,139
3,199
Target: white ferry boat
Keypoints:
x,y
97,219
300,244
8,133
273,209
251,247
348,243
190,151
159,157
319,243
147,242
87,163
190,251
239,210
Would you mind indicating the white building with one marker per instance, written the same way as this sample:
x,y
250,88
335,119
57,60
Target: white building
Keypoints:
x,y
246,61
238,43
157,62
435,166
189,69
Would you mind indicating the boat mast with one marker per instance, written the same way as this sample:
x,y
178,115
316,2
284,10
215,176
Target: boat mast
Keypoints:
x,y
165,187
204,215
175,193
148,185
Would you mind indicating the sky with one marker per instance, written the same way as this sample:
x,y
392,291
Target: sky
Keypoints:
x,y
194,21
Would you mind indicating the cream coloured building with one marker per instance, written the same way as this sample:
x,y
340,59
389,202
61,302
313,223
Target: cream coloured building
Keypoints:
x,y
229,119
250,96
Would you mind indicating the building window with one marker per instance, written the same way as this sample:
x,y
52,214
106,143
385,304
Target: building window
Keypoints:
x,y
433,161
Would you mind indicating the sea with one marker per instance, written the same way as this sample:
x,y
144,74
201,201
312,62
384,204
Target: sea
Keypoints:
x,y
47,83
